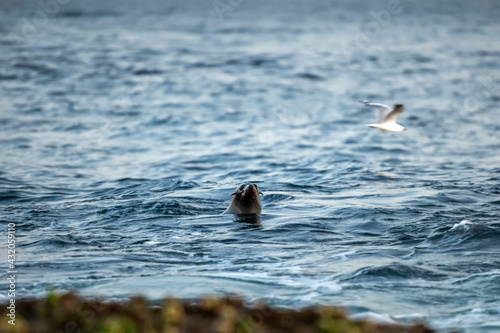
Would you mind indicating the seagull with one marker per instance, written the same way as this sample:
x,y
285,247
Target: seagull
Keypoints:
x,y
387,117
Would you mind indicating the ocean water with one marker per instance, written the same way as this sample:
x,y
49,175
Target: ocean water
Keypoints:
x,y
124,129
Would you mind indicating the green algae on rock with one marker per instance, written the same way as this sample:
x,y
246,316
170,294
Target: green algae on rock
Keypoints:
x,y
70,313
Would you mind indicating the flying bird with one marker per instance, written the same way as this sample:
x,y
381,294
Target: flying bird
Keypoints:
x,y
387,117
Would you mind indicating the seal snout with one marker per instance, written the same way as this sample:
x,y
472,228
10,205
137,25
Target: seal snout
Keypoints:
x,y
251,189
247,189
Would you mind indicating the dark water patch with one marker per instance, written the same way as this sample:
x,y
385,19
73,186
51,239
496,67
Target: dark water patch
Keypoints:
x,y
62,241
276,198
423,59
488,53
395,271
237,62
160,121
147,72
168,207
7,77
39,68
17,191
10,195
450,199
310,76
465,235
375,149
72,128
72,14
240,30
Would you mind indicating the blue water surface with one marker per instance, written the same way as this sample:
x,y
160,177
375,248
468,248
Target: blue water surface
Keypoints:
x,y
125,127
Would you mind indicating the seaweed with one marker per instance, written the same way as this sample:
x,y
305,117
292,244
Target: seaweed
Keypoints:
x,y
70,313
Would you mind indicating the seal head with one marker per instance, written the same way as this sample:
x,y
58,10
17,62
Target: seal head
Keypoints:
x,y
246,200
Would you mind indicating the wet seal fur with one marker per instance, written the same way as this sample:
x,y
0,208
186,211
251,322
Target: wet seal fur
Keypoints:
x,y
246,200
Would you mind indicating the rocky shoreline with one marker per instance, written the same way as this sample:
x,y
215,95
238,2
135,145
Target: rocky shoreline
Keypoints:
x,y
71,313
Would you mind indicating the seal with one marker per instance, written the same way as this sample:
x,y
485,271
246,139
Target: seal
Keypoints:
x,y
246,200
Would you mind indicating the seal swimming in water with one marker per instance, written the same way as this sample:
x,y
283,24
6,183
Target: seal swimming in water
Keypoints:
x,y
246,200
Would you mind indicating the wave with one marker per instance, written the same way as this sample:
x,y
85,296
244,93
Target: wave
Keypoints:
x,y
395,271
466,236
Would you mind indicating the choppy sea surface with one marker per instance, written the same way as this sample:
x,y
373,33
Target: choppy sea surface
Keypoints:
x,y
125,127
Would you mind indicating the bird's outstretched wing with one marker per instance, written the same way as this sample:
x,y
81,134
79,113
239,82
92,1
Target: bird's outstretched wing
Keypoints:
x,y
393,115
383,110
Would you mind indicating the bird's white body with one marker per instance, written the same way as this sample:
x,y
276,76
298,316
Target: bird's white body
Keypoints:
x,y
388,127
387,117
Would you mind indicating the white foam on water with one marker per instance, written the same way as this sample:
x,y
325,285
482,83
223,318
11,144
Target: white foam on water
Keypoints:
x,y
468,322
342,256
380,318
53,225
465,224
410,317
